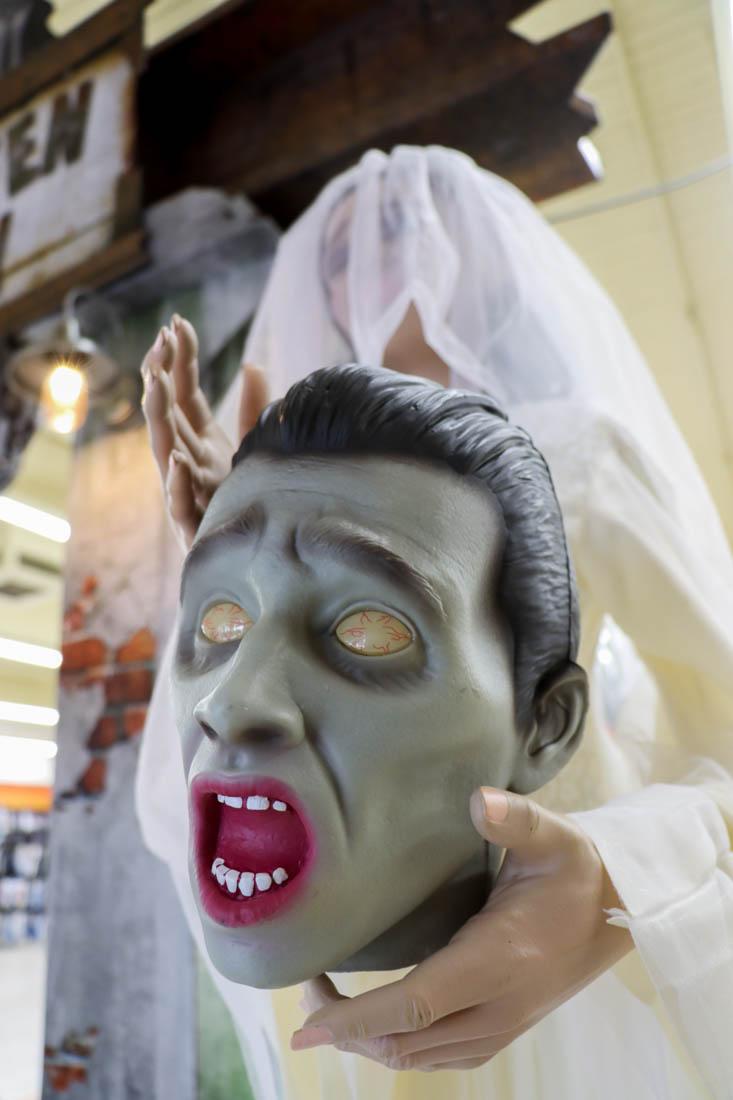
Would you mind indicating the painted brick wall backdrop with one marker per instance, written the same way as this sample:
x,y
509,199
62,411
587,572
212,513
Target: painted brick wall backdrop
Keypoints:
x,y
121,979
129,1011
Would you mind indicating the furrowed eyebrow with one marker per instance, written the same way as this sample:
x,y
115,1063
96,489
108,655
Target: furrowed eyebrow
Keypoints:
x,y
362,549
248,526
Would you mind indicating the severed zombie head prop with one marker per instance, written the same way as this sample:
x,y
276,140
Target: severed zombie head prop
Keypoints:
x,y
378,616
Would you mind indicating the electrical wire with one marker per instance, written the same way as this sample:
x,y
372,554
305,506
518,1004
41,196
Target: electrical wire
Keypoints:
x,y
714,168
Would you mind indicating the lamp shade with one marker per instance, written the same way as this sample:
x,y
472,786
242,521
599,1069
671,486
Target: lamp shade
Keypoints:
x,y
28,369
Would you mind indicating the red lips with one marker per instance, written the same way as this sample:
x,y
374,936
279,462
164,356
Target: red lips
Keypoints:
x,y
249,840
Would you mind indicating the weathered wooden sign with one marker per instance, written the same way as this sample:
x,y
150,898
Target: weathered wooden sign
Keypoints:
x,y
22,30
69,188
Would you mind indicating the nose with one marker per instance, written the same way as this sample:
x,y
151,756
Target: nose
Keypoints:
x,y
252,704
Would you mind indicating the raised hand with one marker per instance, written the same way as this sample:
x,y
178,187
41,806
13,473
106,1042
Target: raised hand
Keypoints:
x,y
192,452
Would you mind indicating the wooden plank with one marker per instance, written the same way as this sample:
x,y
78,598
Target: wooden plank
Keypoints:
x,y
360,85
71,140
64,54
117,259
67,130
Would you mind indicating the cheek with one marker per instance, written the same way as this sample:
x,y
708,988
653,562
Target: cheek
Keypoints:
x,y
416,754
184,699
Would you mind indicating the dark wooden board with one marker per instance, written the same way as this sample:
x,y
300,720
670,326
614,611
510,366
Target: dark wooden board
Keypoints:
x,y
287,103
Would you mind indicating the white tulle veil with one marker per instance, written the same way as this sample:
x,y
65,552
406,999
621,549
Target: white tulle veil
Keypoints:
x,y
511,310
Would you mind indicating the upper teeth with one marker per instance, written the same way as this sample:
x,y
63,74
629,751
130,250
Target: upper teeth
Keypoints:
x,y
254,802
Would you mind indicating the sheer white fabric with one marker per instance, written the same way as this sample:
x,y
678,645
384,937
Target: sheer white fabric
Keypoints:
x,y
511,310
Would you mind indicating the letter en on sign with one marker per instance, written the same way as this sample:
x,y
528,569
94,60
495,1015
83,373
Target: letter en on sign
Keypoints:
x,y
21,147
68,127
5,223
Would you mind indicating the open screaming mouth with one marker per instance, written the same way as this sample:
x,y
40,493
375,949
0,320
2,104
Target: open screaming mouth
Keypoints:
x,y
252,846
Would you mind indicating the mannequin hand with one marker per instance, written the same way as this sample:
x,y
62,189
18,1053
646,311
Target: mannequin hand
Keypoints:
x,y
192,452
541,937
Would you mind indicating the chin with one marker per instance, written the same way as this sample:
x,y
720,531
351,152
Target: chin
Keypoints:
x,y
257,967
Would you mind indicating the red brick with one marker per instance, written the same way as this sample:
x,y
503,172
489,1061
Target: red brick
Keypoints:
x,y
105,732
93,676
94,778
83,653
134,685
73,619
63,1077
140,647
133,720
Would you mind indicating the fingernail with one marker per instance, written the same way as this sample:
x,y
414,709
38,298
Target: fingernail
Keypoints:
x,y
496,805
310,1037
159,340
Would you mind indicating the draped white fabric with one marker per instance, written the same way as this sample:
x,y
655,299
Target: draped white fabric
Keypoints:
x,y
511,310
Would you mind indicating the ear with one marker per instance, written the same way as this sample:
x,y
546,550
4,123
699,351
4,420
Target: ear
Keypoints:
x,y
558,713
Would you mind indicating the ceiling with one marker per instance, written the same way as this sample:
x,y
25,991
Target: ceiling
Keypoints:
x,y
665,258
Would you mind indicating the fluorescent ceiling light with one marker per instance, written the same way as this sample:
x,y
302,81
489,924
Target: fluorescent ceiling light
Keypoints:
x,y
30,715
28,654
28,746
591,156
33,519
27,760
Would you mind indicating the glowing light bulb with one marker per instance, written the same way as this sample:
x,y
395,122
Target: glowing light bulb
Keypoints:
x,y
64,398
63,422
65,385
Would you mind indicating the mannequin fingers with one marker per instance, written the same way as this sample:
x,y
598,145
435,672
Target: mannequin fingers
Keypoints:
x,y
465,1055
396,1007
182,506
192,441
482,963
318,992
161,354
468,1025
156,409
255,396
470,1063
185,370
516,822
394,1051
170,418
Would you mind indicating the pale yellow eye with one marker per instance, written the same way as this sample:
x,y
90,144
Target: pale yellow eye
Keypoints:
x,y
373,633
225,622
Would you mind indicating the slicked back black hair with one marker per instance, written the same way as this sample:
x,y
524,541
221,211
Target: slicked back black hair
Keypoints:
x,y
356,410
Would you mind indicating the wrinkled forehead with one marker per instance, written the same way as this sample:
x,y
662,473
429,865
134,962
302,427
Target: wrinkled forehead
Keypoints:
x,y
418,507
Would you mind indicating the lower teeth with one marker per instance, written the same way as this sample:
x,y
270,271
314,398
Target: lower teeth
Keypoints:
x,y
244,881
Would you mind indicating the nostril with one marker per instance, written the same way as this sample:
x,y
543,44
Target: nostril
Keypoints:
x,y
264,735
208,730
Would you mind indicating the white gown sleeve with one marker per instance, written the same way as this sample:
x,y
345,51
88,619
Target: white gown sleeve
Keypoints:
x,y
667,846
667,851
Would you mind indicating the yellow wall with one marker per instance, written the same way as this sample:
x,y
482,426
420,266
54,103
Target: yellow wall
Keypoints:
x,y
162,19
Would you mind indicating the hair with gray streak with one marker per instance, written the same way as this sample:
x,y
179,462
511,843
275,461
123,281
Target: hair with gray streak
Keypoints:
x,y
356,410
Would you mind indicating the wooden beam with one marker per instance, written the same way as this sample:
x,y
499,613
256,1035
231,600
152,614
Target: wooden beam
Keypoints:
x,y
117,259
276,118
62,55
